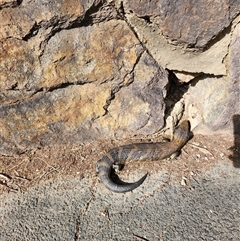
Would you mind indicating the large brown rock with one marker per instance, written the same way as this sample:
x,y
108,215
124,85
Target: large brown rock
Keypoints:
x,y
78,84
194,23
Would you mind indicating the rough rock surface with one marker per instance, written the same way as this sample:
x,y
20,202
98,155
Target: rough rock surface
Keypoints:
x,y
194,24
75,71
215,101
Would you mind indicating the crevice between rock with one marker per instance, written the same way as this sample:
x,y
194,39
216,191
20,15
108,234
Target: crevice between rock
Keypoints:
x,y
11,4
116,89
32,93
176,91
121,13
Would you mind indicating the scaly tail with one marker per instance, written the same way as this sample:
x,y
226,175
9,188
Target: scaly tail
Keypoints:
x,y
103,167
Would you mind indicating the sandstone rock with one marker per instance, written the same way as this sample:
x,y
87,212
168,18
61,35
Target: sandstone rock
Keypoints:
x,y
37,17
98,53
193,41
206,100
179,58
8,3
52,114
74,71
194,24
137,108
86,83
215,101
17,64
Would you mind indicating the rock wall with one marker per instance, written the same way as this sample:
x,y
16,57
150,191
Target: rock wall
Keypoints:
x,y
76,70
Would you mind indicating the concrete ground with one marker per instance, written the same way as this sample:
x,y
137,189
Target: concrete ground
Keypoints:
x,y
204,205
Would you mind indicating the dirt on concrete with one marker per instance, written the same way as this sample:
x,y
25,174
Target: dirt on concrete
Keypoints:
x,y
53,193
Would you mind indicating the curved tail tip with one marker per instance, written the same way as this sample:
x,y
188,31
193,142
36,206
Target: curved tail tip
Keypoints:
x,y
142,179
127,187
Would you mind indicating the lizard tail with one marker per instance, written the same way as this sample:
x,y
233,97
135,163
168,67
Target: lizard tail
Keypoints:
x,y
104,166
